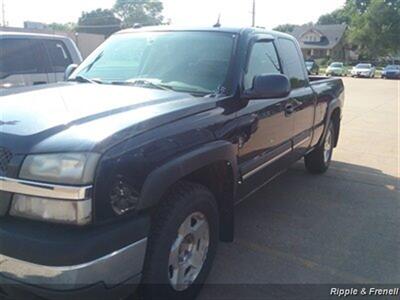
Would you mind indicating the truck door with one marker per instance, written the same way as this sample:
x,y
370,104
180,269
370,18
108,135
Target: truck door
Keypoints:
x,y
265,130
302,98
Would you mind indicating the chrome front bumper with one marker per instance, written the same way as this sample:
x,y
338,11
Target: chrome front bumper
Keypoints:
x,y
112,269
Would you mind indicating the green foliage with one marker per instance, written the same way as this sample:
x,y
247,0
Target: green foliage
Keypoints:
x,y
339,16
144,12
66,27
99,21
376,30
286,28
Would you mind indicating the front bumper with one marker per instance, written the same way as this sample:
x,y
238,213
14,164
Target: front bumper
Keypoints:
x,y
110,269
10,290
391,76
334,73
362,74
123,266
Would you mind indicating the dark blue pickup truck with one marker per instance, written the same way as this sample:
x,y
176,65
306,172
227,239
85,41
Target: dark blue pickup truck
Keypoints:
x,y
126,175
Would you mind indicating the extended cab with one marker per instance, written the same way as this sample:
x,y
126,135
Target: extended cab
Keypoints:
x,y
128,173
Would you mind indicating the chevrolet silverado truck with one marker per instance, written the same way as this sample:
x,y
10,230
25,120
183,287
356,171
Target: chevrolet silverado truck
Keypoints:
x,y
125,177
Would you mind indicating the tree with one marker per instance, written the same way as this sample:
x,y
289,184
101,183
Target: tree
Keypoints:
x,y
376,30
99,21
67,27
286,28
339,16
144,12
361,5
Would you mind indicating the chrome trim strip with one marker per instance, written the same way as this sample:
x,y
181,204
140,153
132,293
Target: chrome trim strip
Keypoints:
x,y
252,172
44,190
111,269
260,187
302,142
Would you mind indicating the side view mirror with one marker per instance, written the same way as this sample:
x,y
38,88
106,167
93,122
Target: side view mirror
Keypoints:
x,y
69,70
268,87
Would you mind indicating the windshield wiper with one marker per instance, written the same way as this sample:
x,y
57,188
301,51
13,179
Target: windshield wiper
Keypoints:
x,y
144,83
81,78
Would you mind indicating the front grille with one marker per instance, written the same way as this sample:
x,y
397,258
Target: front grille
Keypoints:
x,y
5,158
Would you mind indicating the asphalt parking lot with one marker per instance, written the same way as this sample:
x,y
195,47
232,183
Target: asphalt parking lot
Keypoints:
x,y
338,228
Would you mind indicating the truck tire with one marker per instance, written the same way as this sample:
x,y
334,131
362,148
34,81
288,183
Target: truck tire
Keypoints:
x,y
182,244
318,161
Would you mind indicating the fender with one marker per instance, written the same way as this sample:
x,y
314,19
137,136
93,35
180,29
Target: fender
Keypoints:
x,y
335,103
158,182
163,177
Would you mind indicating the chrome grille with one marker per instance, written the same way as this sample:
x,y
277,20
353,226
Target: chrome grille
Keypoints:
x,y
5,158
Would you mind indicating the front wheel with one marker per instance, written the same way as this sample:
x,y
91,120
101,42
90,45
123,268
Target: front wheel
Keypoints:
x,y
318,161
182,244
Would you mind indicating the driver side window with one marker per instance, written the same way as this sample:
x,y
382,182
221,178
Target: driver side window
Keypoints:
x,y
263,60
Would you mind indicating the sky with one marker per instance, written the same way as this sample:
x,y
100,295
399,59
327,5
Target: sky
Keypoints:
x,y
270,13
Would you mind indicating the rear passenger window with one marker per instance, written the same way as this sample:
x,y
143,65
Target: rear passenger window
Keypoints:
x,y
263,60
59,55
292,63
21,56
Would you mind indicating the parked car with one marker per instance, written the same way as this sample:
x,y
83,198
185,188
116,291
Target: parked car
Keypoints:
x,y
312,67
336,69
128,173
31,59
363,70
391,72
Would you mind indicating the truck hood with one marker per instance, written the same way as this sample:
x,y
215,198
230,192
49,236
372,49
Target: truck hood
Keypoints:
x,y
76,117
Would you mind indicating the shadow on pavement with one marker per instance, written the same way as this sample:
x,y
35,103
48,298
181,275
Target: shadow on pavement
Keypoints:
x,y
336,228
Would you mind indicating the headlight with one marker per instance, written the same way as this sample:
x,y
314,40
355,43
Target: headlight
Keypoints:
x,y
65,168
58,211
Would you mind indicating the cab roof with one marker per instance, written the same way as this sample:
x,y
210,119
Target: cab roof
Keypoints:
x,y
233,30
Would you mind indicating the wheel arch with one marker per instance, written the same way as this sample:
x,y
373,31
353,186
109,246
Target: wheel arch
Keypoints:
x,y
335,118
334,113
213,165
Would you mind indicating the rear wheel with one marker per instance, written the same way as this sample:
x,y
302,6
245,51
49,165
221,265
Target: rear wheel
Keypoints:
x,y
318,161
182,244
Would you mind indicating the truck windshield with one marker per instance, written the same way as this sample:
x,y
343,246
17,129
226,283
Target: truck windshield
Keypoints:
x,y
337,65
193,62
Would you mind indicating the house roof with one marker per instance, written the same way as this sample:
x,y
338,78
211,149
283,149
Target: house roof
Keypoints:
x,y
331,35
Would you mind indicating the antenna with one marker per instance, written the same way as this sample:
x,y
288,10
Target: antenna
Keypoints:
x,y
218,24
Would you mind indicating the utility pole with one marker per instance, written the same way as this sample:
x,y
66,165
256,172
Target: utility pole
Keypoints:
x,y
3,13
253,24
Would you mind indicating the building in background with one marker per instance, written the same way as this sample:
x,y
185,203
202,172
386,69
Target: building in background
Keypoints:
x,y
324,41
34,25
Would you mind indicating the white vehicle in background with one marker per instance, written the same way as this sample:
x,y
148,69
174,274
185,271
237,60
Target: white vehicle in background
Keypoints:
x,y
363,70
29,59
336,69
